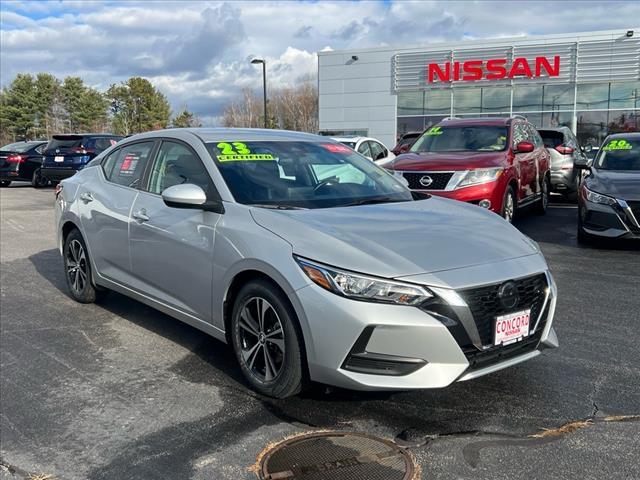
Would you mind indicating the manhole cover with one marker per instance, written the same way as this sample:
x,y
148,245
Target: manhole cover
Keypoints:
x,y
336,456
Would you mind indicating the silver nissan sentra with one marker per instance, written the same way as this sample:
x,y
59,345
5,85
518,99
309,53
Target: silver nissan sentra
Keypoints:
x,y
310,260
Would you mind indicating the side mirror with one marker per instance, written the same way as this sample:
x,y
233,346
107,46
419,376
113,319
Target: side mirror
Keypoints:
x,y
186,195
404,148
582,163
525,147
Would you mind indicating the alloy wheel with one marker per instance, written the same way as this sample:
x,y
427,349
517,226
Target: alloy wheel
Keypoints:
x,y
261,339
545,194
508,208
76,261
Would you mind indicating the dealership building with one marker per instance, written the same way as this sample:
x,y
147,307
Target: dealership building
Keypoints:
x,y
587,81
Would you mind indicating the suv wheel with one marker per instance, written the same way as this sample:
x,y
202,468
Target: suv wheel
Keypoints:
x,y
266,340
77,268
37,180
5,183
509,205
543,203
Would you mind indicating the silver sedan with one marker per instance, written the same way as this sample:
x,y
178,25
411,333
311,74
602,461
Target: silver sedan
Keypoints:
x,y
310,260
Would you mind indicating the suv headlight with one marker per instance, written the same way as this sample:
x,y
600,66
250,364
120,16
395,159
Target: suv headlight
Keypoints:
x,y
599,198
479,176
363,287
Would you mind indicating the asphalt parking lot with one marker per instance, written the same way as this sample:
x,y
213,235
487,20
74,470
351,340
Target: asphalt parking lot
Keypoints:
x,y
121,391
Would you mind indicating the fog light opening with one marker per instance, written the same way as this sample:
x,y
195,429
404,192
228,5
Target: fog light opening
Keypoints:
x,y
485,203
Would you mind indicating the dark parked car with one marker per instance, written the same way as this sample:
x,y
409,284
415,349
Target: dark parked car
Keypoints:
x,y
405,142
609,199
22,161
65,154
565,150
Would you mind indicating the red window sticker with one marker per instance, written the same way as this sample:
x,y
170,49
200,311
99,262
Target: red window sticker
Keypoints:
x,y
332,147
126,163
113,142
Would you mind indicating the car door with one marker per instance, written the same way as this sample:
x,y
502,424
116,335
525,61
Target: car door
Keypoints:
x,y
525,162
34,161
172,248
105,202
542,159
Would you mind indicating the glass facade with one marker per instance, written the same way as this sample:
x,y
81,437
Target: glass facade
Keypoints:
x,y
600,108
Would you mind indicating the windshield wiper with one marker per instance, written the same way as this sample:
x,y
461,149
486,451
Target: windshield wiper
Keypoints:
x,y
276,207
371,201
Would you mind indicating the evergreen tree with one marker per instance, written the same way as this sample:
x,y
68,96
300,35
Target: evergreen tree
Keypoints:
x,y
137,106
186,119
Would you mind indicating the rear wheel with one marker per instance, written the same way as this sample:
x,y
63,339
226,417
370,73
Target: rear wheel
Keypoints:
x,y
37,180
543,203
77,269
5,183
509,205
267,341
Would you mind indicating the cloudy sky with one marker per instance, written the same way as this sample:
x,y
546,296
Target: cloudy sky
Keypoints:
x,y
198,52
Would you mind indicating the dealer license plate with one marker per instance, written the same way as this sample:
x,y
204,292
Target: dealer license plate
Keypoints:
x,y
511,327
58,158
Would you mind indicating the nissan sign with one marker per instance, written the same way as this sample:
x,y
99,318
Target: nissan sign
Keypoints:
x,y
493,69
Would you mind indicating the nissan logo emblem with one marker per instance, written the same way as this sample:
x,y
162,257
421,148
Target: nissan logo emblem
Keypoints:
x,y
508,295
426,180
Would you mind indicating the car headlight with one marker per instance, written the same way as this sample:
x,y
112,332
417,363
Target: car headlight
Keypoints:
x,y
479,176
363,287
599,198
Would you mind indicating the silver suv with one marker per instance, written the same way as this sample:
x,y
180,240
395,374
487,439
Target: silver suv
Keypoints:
x,y
310,260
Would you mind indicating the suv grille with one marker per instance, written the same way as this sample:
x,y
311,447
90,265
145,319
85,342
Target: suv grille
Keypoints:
x,y
439,180
485,305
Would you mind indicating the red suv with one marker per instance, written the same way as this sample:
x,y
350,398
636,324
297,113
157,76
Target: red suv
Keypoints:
x,y
498,163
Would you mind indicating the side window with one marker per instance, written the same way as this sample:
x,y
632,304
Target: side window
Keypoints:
x,y
176,164
364,149
129,164
107,163
102,143
40,149
519,134
533,136
377,150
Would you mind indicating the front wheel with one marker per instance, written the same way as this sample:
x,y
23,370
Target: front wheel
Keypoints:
x,y
267,341
543,203
77,269
5,183
509,205
37,180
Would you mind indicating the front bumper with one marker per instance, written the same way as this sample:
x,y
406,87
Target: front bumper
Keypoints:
x,y
405,347
57,174
492,191
609,221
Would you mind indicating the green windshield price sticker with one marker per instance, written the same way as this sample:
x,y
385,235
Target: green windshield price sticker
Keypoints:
x,y
238,151
617,145
435,131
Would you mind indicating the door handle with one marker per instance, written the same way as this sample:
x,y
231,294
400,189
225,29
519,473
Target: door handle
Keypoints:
x,y
86,197
141,216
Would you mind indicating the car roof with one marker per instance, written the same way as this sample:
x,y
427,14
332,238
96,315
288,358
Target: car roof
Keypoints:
x,y
491,121
625,135
554,129
349,139
85,135
231,134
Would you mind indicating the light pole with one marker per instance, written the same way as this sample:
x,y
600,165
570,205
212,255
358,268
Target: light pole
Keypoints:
x,y
257,61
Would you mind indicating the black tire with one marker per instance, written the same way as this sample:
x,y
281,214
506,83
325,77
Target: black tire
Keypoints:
x,y
509,205
250,336
37,180
585,238
571,197
77,269
542,204
5,183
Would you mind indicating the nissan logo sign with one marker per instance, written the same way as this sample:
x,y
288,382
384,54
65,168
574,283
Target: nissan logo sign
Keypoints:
x,y
508,295
426,180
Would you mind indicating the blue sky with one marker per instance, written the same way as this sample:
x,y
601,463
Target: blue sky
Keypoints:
x,y
197,52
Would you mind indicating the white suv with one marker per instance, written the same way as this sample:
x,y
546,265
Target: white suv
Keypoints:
x,y
369,147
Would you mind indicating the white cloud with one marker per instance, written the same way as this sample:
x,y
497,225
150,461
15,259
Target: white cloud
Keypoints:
x,y
198,52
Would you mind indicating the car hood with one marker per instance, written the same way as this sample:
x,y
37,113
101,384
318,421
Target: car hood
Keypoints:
x,y
447,161
398,239
615,183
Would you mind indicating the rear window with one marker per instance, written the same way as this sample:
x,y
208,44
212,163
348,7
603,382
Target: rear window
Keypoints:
x,y
64,142
551,138
351,145
99,144
19,146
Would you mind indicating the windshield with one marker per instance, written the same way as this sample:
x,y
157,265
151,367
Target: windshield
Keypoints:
x,y
462,139
19,146
619,154
303,175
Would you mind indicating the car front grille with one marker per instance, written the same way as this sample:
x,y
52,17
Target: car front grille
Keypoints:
x,y
439,180
485,304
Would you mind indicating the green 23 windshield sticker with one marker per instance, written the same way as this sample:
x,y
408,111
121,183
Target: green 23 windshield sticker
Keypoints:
x,y
617,145
435,131
238,151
